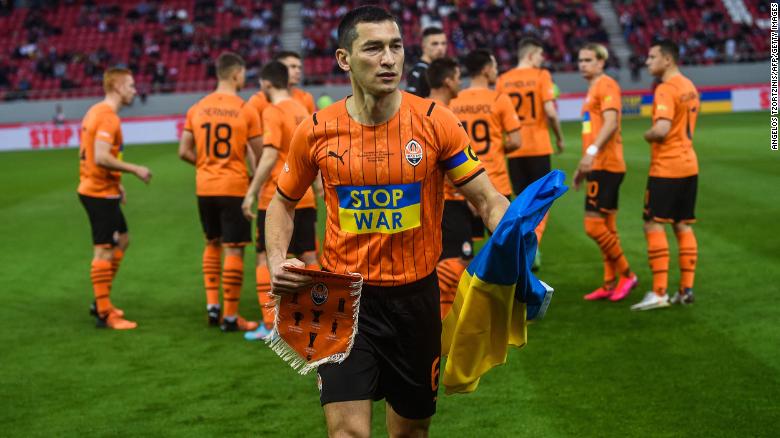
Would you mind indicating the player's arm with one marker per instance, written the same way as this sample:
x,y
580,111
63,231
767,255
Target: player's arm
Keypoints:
x,y
254,152
278,232
490,204
319,191
512,141
187,147
659,131
555,121
605,133
267,161
103,158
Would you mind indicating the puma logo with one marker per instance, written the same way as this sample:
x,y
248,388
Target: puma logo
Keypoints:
x,y
340,157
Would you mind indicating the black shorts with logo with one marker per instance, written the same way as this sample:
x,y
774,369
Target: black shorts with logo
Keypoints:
x,y
222,218
304,237
396,351
458,228
105,219
525,170
670,200
601,195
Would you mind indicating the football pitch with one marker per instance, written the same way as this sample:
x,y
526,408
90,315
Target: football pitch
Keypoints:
x,y
589,369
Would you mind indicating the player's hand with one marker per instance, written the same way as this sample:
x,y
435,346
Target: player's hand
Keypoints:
x,y
122,195
560,145
578,177
247,207
286,282
143,173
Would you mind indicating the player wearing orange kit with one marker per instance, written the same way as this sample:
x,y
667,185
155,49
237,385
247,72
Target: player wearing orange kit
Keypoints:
x,y
101,193
603,166
279,122
672,184
216,133
531,90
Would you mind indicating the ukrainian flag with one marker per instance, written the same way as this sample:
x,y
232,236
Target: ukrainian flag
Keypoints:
x,y
497,293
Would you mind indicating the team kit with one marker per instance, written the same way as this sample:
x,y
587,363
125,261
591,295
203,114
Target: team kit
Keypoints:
x,y
410,180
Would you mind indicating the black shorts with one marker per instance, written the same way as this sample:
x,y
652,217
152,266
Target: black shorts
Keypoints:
x,y
222,218
105,218
396,351
457,230
602,191
304,237
669,200
525,170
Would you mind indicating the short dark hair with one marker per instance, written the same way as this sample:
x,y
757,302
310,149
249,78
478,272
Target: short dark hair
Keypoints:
x,y
527,44
476,60
276,73
286,54
439,70
227,62
668,47
433,30
347,33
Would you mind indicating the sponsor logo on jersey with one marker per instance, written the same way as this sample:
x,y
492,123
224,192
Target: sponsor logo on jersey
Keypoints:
x,y
386,209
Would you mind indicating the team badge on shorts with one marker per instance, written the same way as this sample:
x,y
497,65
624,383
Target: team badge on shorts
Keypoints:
x,y
319,294
413,152
319,382
286,167
466,248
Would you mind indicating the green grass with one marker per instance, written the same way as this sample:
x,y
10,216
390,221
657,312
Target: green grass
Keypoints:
x,y
590,369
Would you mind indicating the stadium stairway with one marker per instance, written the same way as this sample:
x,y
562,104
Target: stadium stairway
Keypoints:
x,y
611,23
738,11
292,27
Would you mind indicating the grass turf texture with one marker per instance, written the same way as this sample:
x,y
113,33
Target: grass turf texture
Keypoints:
x,y
589,369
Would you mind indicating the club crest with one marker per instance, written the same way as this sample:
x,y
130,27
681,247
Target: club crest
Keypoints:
x,y
413,152
319,294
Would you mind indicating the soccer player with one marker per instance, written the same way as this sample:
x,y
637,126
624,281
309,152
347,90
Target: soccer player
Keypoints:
x,y
672,184
434,46
531,90
214,140
383,154
279,121
603,166
101,192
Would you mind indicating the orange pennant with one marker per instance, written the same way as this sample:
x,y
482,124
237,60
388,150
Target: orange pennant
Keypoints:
x,y
317,324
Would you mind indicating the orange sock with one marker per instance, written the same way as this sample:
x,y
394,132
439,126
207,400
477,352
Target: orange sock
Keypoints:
x,y
101,274
118,256
449,272
232,279
212,257
658,255
540,229
609,244
609,267
689,252
264,297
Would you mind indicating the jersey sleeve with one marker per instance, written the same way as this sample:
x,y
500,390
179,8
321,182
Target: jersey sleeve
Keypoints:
x,y
254,125
300,169
506,112
310,103
272,125
107,128
188,119
663,103
546,85
458,159
610,97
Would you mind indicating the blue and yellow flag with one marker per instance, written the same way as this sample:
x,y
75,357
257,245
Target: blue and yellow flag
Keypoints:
x,y
497,293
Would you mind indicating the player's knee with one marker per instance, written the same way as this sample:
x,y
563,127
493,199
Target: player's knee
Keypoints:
x,y
104,253
680,227
260,259
651,226
123,241
349,428
409,429
214,243
234,251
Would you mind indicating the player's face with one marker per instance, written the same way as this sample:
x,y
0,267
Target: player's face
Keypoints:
x,y
454,83
537,57
656,61
589,65
377,57
240,78
126,89
294,69
492,72
435,46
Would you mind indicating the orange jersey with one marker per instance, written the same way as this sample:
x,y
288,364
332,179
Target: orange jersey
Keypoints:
x,y
222,124
487,115
529,89
383,186
280,121
678,101
260,102
306,99
603,95
100,123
